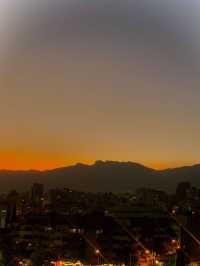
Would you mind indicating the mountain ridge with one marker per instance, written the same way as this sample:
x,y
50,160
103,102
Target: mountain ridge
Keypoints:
x,y
102,176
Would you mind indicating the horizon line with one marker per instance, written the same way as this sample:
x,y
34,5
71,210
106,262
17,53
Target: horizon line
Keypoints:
x,y
154,166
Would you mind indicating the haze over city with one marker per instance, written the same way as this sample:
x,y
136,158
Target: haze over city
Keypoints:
x,y
110,80
99,133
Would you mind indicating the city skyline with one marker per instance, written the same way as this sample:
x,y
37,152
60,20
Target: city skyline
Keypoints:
x,y
115,80
99,134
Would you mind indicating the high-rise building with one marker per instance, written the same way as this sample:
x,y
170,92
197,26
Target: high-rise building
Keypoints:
x,y
3,214
182,191
37,193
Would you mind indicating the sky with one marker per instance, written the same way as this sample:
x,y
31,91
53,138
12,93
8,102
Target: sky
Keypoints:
x,y
84,80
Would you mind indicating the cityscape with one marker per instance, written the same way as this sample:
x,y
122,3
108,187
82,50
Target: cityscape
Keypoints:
x,y
100,133
61,227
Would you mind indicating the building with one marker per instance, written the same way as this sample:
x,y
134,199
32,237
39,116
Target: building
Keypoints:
x,y
37,193
151,197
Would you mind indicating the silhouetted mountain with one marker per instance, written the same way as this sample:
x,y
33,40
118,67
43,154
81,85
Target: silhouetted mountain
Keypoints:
x,y
102,176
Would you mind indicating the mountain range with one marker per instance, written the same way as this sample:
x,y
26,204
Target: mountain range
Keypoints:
x,y
102,176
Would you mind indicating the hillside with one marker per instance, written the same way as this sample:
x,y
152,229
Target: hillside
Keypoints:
x,y
102,176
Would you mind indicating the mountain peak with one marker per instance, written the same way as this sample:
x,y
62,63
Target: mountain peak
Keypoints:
x,y
102,176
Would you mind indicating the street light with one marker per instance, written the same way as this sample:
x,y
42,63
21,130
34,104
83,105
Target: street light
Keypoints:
x,y
98,253
147,252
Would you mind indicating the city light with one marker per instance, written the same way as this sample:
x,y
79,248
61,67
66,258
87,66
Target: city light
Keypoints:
x,y
97,252
147,252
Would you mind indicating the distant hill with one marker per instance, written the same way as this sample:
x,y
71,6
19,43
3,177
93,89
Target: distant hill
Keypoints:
x,y
102,176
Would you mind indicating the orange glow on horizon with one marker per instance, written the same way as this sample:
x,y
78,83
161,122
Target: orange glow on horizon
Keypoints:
x,y
41,166
166,165
36,161
12,161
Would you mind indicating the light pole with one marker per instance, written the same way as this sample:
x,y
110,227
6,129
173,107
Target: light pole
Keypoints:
x,y
98,254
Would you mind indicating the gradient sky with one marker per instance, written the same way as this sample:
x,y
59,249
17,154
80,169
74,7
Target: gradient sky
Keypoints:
x,y
82,80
